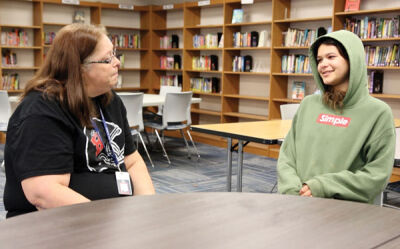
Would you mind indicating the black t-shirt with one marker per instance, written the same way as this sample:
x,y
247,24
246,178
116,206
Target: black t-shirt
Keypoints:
x,y
43,138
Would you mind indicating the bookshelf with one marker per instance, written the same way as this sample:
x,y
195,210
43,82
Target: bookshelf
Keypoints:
x,y
242,96
132,24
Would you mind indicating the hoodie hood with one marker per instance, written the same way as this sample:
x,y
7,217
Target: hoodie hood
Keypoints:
x,y
358,69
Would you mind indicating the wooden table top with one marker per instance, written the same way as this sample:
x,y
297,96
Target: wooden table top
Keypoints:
x,y
205,220
266,132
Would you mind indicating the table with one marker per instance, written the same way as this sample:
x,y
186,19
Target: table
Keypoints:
x,y
206,220
265,132
156,99
148,99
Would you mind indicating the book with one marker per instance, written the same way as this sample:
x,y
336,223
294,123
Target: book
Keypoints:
x,y
298,90
377,81
79,16
352,5
237,16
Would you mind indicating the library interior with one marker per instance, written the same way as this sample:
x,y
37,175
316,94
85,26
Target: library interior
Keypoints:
x,y
227,76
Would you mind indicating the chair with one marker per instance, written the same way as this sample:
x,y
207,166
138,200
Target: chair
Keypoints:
x,y
5,113
288,111
163,92
176,116
394,187
134,104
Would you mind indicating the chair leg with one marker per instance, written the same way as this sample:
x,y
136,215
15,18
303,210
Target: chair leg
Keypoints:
x,y
148,139
145,149
162,146
186,143
194,146
273,187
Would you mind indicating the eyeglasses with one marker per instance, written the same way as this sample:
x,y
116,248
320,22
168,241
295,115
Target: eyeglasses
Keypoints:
x,y
105,61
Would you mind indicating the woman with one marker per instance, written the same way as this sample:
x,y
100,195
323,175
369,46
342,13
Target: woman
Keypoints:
x,y
341,144
69,140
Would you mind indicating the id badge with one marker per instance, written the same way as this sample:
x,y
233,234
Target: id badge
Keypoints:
x,y
123,183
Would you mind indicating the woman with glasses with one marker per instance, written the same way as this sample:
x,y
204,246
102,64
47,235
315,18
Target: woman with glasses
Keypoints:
x,y
69,140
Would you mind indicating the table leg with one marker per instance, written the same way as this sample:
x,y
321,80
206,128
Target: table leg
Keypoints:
x,y
229,173
240,166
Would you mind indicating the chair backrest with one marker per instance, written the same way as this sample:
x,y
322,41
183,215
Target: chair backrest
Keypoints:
x,y
5,110
177,108
163,92
288,111
134,108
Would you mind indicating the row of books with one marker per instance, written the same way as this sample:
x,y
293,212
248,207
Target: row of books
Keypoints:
x,y
207,41
15,37
372,27
10,81
205,62
170,62
375,81
48,37
242,63
298,37
382,56
125,41
205,84
246,39
171,41
8,58
295,63
171,80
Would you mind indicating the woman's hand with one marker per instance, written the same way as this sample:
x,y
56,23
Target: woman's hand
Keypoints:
x,y
305,191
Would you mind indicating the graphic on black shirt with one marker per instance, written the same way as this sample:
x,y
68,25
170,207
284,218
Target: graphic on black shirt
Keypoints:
x,y
99,155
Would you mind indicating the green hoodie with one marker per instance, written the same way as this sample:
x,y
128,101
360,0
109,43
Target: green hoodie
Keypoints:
x,y
346,154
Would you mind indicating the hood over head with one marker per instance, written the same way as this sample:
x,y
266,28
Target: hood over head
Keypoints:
x,y
358,69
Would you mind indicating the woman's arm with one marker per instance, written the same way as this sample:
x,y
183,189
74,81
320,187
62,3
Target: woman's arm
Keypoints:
x,y
50,191
137,169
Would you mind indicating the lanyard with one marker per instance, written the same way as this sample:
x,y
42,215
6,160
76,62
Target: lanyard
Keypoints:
x,y
114,157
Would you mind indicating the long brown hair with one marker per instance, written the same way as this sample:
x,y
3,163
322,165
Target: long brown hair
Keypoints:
x,y
333,97
60,77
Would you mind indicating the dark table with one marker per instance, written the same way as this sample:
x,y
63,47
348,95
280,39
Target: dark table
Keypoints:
x,y
206,220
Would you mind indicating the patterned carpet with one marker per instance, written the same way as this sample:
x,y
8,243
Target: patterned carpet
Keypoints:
x,y
205,175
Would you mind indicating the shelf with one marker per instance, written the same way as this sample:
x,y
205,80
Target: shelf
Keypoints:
x,y
203,71
286,100
248,48
381,39
366,12
15,91
293,74
248,73
54,24
205,26
19,26
167,29
385,96
292,48
167,70
21,47
236,96
208,94
127,28
382,68
133,69
248,24
167,49
130,89
204,49
245,115
207,112
312,19
131,49
19,68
